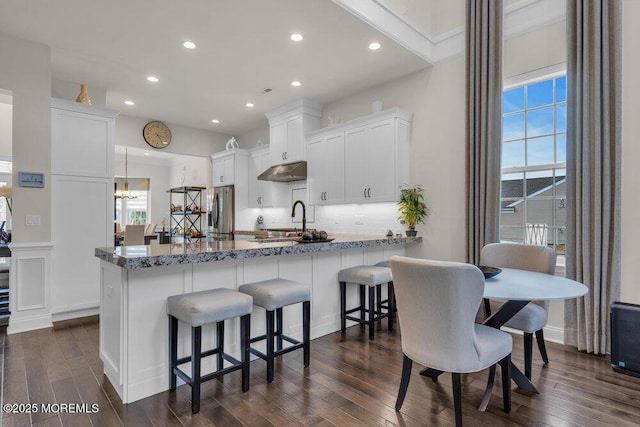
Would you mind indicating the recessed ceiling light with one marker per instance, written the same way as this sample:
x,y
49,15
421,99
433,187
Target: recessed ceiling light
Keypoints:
x,y
129,102
296,37
216,121
189,45
153,79
249,104
146,154
295,83
374,46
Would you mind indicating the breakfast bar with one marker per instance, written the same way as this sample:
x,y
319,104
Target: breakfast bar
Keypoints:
x,y
135,282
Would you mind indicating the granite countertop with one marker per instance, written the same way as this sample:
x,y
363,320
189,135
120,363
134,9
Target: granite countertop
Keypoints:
x,y
134,257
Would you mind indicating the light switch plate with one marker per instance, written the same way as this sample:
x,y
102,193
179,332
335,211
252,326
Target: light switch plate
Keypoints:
x,y
32,221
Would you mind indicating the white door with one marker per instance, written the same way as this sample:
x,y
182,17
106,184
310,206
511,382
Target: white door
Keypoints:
x,y
382,176
317,170
278,143
334,189
357,164
295,140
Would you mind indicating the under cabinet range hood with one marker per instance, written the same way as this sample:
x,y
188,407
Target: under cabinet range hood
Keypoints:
x,y
288,172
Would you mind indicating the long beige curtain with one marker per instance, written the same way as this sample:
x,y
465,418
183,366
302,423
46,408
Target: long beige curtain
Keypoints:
x,y
593,168
484,123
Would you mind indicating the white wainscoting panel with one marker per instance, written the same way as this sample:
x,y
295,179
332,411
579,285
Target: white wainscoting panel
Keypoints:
x,y
29,287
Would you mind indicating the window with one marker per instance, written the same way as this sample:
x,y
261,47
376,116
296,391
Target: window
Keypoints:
x,y
534,138
132,211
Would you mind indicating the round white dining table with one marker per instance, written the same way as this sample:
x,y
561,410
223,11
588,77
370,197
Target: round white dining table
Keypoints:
x,y
522,285
518,288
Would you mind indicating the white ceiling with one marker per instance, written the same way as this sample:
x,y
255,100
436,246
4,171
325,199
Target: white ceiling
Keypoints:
x,y
243,47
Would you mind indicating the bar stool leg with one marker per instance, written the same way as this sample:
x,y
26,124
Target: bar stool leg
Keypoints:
x,y
245,339
362,306
220,344
196,349
391,304
279,327
372,311
173,351
379,299
270,349
343,306
306,331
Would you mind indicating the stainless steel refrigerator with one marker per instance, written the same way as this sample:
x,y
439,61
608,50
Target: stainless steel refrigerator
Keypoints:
x,y
220,213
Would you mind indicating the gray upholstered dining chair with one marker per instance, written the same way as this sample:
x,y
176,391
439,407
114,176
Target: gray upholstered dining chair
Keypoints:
x,y
437,303
133,235
533,317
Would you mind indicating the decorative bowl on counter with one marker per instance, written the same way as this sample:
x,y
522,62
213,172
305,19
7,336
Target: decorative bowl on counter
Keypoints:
x,y
315,241
489,272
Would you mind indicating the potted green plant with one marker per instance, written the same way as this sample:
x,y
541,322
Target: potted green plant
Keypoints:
x,y
411,208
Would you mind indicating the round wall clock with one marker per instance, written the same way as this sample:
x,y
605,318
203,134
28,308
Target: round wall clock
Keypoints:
x,y
156,134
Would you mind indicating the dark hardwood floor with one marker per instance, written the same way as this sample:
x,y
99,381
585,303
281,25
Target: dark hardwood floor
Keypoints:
x,y
351,382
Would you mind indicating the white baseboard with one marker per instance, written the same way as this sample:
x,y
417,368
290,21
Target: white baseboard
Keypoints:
x,y
56,317
29,324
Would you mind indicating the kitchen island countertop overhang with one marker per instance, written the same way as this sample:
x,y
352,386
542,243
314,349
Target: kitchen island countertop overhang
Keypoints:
x,y
135,257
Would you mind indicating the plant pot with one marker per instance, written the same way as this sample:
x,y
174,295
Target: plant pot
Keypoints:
x,y
412,233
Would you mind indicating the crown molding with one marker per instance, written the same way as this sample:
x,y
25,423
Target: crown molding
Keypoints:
x,y
520,18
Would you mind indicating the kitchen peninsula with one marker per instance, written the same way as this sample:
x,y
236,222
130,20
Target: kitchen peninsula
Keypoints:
x,y
135,282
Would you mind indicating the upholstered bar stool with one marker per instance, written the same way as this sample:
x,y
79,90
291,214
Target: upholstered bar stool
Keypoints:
x,y
201,308
373,277
273,295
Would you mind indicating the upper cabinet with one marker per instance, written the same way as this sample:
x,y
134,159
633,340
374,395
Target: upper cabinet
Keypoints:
x,y
81,139
287,128
361,161
325,169
227,165
260,192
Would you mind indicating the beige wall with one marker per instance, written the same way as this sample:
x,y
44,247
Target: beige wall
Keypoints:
x,y
194,142
630,153
534,50
25,69
248,140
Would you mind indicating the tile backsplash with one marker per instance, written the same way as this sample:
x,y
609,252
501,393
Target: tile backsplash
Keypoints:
x,y
374,218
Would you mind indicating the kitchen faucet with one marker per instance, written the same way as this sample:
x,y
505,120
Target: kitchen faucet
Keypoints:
x,y
304,214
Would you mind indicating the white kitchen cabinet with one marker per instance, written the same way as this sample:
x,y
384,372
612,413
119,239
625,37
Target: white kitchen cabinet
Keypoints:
x,y
364,160
325,169
287,128
370,159
260,192
223,170
227,165
82,151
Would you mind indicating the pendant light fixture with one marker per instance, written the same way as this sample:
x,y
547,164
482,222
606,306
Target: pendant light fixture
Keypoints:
x,y
125,194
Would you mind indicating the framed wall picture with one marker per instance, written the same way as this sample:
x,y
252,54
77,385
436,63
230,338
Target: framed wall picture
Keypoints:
x,y
31,179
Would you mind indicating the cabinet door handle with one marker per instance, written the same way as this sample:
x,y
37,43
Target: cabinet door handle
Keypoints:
x,y
369,192
221,178
364,192
285,155
325,195
282,156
